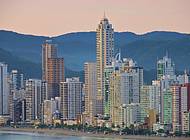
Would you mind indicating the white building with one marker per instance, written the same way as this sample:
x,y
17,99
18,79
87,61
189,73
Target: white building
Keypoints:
x,y
125,83
183,79
166,67
133,114
71,98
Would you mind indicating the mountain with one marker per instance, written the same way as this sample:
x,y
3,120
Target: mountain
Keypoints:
x,y
24,46
80,47
24,51
30,69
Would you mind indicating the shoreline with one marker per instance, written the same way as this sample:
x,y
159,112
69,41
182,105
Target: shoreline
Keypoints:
x,y
65,133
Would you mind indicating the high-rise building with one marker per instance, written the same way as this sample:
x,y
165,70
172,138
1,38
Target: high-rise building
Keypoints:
x,y
17,110
49,50
167,107
108,70
176,107
71,98
166,82
185,97
104,55
16,98
166,67
16,80
183,79
55,76
186,122
90,89
149,99
4,90
125,83
33,99
133,113
131,81
49,108
44,91
52,69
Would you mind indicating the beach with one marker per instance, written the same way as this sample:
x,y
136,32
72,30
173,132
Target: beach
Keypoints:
x,y
64,132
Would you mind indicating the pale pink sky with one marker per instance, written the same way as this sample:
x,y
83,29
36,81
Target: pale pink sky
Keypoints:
x,y
55,17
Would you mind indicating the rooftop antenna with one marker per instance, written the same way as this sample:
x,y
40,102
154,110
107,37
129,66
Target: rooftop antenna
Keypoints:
x,y
104,14
167,53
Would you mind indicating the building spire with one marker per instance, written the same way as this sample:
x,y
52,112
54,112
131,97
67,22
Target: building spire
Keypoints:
x,y
167,53
104,14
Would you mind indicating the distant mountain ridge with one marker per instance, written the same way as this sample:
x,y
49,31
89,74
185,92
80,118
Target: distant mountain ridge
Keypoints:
x,y
79,47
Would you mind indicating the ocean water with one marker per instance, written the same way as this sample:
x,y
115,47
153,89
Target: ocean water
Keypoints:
x,y
31,136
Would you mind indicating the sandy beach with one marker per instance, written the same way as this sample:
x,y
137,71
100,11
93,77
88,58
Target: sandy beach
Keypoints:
x,y
64,132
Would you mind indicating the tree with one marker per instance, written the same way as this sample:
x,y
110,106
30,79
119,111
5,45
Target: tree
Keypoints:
x,y
161,131
178,133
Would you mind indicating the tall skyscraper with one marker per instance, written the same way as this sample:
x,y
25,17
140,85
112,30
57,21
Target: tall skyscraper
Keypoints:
x,y
131,81
90,89
4,90
33,99
108,70
49,50
125,83
167,107
186,87
52,69
104,55
176,107
55,75
165,67
71,98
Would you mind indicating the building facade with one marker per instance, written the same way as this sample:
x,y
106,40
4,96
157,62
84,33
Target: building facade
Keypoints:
x,y
4,90
52,69
71,98
33,100
165,66
90,89
104,55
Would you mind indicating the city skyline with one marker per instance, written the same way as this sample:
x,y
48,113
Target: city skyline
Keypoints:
x,y
133,16
111,99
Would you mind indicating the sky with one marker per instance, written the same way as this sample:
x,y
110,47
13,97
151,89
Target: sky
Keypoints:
x,y
56,17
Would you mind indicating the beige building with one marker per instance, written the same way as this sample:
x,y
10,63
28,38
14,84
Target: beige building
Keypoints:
x,y
149,99
90,89
49,108
176,118
104,55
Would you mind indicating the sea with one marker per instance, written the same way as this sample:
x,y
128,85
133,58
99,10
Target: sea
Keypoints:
x,y
34,136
